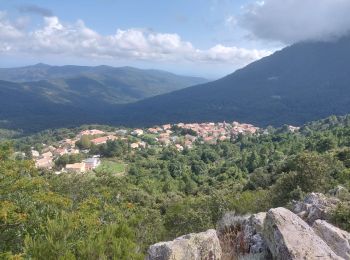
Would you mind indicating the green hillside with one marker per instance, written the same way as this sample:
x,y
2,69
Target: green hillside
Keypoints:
x,y
165,193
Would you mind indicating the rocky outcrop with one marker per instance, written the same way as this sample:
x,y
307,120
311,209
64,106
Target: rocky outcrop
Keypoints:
x,y
240,237
338,240
340,192
277,234
201,246
315,206
289,237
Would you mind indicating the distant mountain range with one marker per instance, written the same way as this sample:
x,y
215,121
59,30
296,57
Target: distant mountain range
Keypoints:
x,y
103,83
301,83
41,96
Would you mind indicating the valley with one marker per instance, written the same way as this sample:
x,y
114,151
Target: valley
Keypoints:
x,y
175,130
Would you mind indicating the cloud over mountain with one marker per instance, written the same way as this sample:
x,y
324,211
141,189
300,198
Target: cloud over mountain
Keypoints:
x,y
291,21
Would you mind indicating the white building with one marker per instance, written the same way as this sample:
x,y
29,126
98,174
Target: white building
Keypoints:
x,y
92,163
137,132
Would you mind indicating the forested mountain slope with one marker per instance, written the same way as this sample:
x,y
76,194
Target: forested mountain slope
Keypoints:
x,y
303,82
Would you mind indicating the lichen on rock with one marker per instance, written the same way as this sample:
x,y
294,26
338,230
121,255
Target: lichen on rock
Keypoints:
x,y
201,246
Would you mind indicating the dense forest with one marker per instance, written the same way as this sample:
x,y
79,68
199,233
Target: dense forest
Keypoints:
x,y
164,193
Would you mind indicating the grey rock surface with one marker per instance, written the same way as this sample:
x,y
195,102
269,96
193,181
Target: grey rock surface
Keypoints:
x,y
338,240
277,234
315,206
340,192
201,246
289,237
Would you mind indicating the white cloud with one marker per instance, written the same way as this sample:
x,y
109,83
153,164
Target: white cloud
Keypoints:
x,y
231,54
231,21
7,30
291,21
77,40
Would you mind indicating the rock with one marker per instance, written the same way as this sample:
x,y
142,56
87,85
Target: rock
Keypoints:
x,y
315,206
258,220
277,234
340,192
289,237
201,246
338,240
253,235
258,246
240,238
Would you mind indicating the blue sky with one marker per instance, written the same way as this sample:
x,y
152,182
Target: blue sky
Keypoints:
x,y
200,21
208,38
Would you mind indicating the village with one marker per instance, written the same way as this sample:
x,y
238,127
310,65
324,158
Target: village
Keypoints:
x,y
181,136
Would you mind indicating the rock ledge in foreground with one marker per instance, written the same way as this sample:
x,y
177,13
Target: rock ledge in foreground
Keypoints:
x,y
289,237
201,246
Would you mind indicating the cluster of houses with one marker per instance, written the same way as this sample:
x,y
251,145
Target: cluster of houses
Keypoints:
x,y
50,153
46,159
213,132
201,132
165,135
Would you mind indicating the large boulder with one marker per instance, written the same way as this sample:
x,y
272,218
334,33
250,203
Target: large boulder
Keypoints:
x,y
315,206
277,234
289,237
201,246
338,240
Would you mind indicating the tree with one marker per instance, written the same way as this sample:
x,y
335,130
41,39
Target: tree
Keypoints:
x,y
84,142
253,161
113,149
308,172
315,172
326,144
65,159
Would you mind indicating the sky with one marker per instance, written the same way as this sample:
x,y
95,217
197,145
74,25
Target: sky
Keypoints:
x,y
208,38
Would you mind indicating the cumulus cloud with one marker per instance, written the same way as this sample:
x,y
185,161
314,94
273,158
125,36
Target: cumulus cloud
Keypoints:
x,y
34,9
8,31
78,40
231,54
291,21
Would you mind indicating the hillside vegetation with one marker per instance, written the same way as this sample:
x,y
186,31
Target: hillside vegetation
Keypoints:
x,y
165,193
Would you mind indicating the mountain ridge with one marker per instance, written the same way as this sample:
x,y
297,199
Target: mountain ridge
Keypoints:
x,y
300,83
72,94
291,86
120,85
12,74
